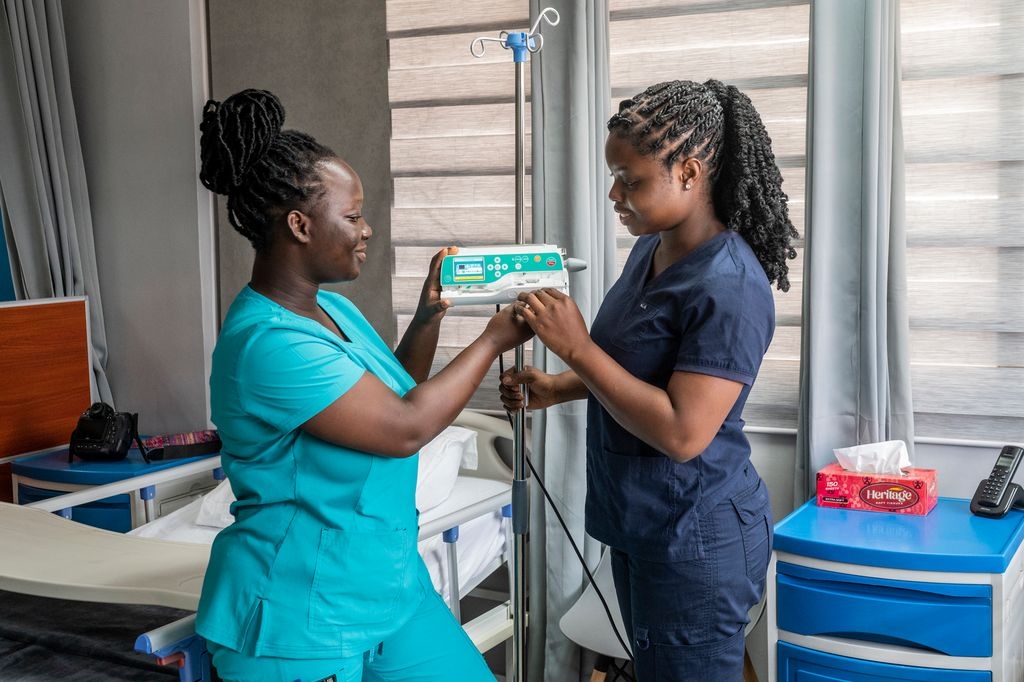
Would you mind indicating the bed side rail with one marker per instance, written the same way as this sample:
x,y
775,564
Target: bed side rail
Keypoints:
x,y
143,483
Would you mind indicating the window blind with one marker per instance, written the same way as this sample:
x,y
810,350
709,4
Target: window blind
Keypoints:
x,y
453,148
963,94
760,47
453,137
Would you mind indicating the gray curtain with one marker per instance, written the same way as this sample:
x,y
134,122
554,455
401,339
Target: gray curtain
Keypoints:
x,y
570,208
42,173
855,368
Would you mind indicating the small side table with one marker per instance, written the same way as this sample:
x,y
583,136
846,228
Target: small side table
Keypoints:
x,y
858,596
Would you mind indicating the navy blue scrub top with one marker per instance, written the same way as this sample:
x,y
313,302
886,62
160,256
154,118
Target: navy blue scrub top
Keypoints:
x,y
712,313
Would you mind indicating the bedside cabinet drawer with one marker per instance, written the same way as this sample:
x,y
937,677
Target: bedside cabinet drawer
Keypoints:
x,y
798,664
952,619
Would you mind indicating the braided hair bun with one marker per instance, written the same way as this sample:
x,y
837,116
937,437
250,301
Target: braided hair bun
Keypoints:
x,y
236,133
263,170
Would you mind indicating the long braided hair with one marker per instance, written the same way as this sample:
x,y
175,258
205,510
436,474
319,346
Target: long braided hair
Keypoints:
x,y
719,125
263,170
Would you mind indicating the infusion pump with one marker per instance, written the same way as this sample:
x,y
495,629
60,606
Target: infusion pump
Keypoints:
x,y
498,274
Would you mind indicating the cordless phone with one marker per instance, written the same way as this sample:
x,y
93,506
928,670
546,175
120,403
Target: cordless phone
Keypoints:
x,y
997,493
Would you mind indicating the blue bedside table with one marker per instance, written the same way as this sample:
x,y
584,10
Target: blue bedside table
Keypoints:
x,y
858,596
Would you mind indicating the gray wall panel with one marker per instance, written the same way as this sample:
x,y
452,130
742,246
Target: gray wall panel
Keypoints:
x,y
327,61
133,82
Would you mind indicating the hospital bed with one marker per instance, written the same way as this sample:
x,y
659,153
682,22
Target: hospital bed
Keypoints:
x,y
464,496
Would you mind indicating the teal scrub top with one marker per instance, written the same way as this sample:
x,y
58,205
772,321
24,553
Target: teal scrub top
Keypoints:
x,y
321,559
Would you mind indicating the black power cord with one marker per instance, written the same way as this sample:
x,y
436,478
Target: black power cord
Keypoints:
x,y
568,535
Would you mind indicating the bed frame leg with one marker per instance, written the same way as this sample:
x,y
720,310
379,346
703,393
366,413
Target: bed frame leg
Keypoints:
x,y
450,538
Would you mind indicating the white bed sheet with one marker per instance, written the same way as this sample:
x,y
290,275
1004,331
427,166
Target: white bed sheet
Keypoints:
x,y
482,542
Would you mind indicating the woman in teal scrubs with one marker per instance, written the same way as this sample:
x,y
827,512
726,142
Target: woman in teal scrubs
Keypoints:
x,y
319,577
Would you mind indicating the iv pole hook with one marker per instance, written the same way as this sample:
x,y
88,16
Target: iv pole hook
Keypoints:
x,y
533,41
552,20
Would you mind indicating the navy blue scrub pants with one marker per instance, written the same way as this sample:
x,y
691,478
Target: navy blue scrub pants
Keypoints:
x,y
687,618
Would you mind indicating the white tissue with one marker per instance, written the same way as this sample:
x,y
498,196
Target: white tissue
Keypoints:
x,y
887,457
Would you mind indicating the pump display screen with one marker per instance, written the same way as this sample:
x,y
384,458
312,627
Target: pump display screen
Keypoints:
x,y
468,269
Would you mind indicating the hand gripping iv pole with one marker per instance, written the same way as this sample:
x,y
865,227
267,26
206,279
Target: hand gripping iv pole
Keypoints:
x,y
521,43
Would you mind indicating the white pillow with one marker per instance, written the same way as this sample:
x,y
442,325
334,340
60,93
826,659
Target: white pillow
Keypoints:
x,y
439,464
216,507
440,460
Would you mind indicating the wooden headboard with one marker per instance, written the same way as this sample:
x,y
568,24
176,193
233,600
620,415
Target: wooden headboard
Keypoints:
x,y
45,375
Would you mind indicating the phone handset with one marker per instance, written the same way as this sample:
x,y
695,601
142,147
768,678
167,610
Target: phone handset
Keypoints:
x,y
997,493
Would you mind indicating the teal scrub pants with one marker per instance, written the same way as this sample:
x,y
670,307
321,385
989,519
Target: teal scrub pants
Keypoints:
x,y
431,647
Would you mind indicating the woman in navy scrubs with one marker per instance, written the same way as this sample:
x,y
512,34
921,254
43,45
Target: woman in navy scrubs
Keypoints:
x,y
318,577
667,367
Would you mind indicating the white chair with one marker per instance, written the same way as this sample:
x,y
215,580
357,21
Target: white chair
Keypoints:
x,y
586,622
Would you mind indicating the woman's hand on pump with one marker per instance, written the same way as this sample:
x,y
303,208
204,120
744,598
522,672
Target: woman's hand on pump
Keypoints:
x,y
419,342
556,319
431,307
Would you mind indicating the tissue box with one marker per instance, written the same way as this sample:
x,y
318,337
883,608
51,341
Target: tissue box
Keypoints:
x,y
913,493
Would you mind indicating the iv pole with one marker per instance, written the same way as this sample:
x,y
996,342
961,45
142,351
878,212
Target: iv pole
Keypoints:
x,y
521,44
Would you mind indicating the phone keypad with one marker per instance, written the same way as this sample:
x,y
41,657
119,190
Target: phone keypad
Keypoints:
x,y
995,484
